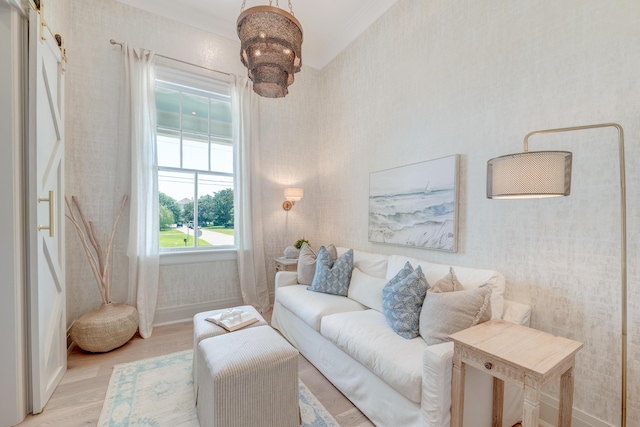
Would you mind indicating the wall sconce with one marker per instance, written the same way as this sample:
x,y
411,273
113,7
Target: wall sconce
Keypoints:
x,y
292,195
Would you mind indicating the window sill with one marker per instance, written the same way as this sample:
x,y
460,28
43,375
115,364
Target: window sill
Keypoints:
x,y
193,257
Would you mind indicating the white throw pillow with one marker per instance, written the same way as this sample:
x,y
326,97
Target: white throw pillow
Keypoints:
x,y
367,290
368,262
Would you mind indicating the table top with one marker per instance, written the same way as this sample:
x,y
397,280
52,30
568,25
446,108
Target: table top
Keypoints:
x,y
526,348
287,261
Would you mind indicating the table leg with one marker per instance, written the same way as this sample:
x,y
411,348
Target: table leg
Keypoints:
x,y
498,401
566,398
457,389
531,409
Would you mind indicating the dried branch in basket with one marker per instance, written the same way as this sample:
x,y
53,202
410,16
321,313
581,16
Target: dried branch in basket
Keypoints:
x,y
100,256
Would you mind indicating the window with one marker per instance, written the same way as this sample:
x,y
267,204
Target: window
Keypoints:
x,y
195,162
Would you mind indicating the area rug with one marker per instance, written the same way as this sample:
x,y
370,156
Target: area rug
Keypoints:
x,y
158,392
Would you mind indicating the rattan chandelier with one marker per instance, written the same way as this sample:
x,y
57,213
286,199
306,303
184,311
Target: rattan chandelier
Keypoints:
x,y
271,47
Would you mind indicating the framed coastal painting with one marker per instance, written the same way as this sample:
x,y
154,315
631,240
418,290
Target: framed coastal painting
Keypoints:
x,y
416,205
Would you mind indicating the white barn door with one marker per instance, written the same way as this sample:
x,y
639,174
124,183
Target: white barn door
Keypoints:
x,y
46,214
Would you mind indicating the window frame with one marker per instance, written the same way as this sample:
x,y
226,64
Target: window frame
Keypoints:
x,y
194,82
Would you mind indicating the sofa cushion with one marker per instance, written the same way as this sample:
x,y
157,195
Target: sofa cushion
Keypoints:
x,y
368,262
446,313
366,336
332,277
448,283
307,263
469,277
312,306
402,299
367,290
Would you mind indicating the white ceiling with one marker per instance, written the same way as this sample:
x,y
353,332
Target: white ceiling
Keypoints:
x,y
328,25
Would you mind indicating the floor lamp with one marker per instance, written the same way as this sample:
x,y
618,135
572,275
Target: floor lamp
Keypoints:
x,y
535,174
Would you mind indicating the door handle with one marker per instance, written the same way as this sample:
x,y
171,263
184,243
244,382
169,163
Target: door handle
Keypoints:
x,y
49,227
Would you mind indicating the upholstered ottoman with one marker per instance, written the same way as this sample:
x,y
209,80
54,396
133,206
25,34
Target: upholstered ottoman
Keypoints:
x,y
247,378
203,329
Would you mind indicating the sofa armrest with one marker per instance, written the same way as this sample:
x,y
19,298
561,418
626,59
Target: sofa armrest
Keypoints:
x,y
437,363
516,312
286,278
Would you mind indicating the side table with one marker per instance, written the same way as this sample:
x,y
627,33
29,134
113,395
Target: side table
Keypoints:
x,y
511,352
286,264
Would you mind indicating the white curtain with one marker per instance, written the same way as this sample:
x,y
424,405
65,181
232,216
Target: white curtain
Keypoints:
x,y
143,249
248,225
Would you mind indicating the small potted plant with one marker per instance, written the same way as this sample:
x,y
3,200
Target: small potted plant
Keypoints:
x,y
292,252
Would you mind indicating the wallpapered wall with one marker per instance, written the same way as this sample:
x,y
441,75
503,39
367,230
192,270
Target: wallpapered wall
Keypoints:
x,y
94,174
434,78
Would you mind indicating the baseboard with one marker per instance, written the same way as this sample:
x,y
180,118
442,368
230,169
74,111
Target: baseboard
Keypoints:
x,y
549,415
167,316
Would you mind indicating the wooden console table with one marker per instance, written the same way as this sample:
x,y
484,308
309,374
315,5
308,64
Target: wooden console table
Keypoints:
x,y
511,352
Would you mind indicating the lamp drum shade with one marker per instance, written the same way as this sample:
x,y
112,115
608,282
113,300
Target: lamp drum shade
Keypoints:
x,y
531,174
293,194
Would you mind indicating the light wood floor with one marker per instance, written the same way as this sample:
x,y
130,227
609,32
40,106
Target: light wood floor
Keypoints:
x,y
78,399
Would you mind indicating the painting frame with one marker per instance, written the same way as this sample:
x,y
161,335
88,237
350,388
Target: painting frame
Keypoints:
x,y
416,205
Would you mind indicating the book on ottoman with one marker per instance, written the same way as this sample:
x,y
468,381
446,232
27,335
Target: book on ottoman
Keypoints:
x,y
232,319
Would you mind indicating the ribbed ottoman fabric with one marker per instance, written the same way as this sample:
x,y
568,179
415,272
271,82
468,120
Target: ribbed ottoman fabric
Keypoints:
x,y
247,378
203,329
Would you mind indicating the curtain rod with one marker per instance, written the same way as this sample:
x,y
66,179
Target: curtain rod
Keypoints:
x,y
112,41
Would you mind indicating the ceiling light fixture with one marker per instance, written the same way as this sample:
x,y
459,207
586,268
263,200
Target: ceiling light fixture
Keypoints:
x,y
271,47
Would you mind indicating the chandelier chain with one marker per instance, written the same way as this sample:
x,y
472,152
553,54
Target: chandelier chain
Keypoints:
x,y
244,2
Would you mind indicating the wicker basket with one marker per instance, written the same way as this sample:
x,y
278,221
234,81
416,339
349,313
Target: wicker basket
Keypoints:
x,y
105,329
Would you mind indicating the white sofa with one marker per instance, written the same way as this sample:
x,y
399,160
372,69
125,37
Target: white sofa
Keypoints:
x,y
393,381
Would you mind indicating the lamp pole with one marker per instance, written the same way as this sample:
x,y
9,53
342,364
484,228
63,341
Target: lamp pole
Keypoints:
x,y
623,239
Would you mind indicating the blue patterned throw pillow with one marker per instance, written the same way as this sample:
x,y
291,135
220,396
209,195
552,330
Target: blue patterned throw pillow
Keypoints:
x,y
400,275
332,277
402,300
